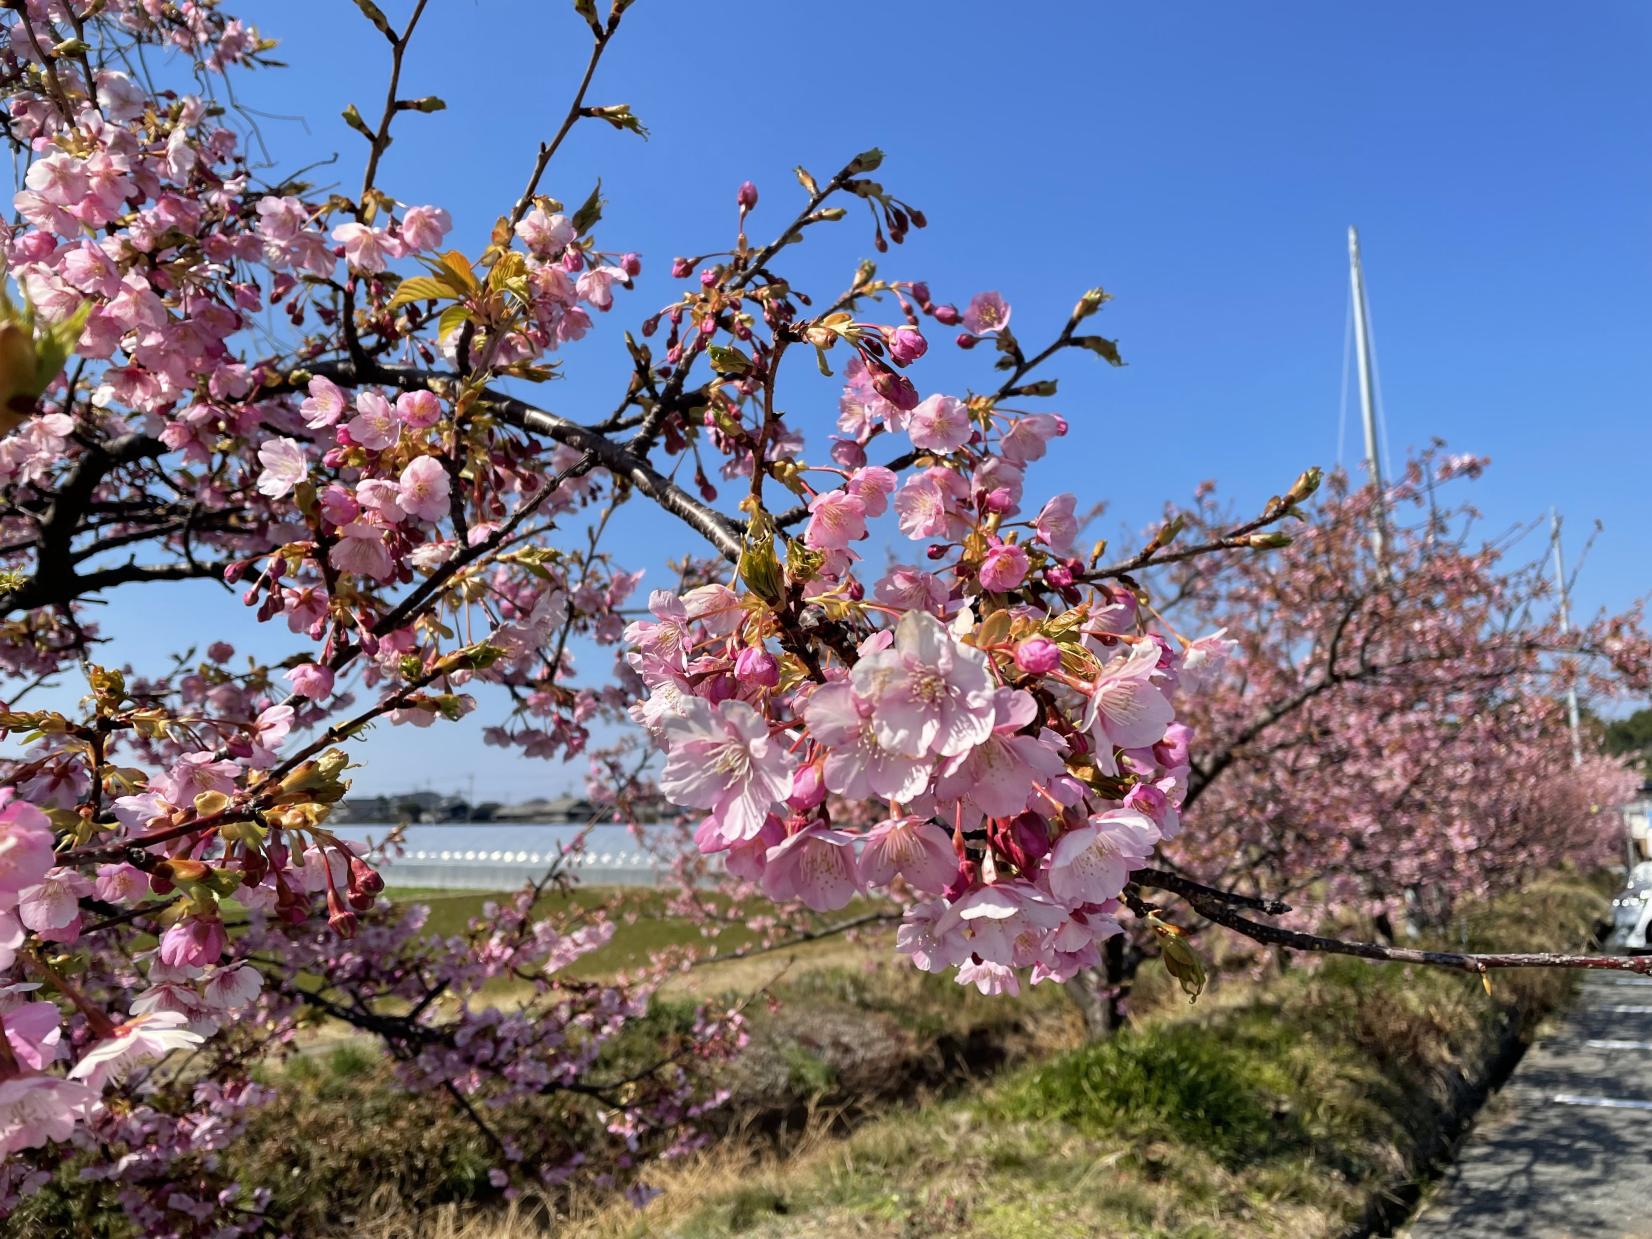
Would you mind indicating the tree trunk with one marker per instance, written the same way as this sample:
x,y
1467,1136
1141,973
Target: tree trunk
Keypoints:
x,y
1102,994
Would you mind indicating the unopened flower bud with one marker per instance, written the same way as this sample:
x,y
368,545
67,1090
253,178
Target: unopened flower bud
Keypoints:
x,y
948,316
1305,485
1089,303
339,917
965,340
755,665
920,293
681,269
808,789
895,388
906,344
1038,656
999,500
747,197
182,869
364,877
1269,541
1023,840
1058,575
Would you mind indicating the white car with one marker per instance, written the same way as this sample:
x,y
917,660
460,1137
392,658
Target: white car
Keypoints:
x,y
1632,911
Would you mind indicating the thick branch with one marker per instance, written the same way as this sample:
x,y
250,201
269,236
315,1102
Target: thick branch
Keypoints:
x,y
1217,910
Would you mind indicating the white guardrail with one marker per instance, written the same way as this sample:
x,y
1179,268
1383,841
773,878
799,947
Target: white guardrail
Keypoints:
x,y
472,870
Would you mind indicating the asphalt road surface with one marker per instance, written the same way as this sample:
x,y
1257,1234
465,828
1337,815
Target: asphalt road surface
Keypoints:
x,y
1565,1151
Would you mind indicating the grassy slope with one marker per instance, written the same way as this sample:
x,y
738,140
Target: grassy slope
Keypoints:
x,y
1274,1110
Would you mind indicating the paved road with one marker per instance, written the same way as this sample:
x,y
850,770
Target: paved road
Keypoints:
x,y
1565,1151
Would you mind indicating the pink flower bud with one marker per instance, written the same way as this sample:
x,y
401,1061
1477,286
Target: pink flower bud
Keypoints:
x,y
1059,576
920,291
895,388
631,263
747,197
808,789
906,344
1038,656
755,665
965,340
948,316
680,269
999,500
708,277
364,877
1023,840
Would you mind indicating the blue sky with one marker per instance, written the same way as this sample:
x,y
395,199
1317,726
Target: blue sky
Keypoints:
x,y
1200,161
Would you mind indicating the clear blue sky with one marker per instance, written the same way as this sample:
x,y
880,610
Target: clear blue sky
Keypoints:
x,y
1201,161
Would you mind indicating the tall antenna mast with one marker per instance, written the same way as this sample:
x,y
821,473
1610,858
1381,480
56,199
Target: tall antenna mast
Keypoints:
x,y
1565,627
1367,392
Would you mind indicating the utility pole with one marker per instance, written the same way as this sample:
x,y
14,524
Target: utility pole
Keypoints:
x,y
1564,588
1367,393
1565,627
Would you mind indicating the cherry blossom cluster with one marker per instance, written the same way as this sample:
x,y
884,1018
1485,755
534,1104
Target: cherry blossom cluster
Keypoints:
x,y
1014,722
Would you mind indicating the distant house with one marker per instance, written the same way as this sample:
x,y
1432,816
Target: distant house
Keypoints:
x,y
418,806
554,809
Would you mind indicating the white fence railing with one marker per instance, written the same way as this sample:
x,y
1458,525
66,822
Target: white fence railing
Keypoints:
x,y
477,870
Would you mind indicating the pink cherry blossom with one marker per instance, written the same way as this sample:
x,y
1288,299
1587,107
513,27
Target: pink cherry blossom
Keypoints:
x,y
25,844
141,1039
998,775
34,1032
1204,658
1092,864
722,759
1004,568
930,504
1125,707
911,588
814,865
53,902
939,424
366,249
1056,524
423,227
311,680
917,850
285,466
418,410
836,518
544,234
374,426
424,489
360,549
1028,437
857,765
324,405
36,1109
928,693
987,313
230,989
